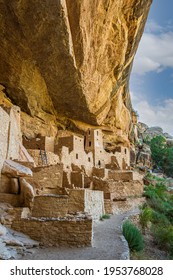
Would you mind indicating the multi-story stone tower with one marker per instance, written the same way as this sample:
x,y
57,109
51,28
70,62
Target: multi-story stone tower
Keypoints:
x,y
94,144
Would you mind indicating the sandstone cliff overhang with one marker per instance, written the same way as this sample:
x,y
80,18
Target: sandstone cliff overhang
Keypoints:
x,y
71,58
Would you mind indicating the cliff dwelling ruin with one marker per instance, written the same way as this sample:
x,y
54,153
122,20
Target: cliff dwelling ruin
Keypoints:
x,y
58,189
67,128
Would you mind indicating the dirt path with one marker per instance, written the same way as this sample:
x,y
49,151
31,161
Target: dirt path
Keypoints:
x,y
108,244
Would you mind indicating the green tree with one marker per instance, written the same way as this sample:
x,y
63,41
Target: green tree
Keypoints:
x,y
159,150
162,155
169,162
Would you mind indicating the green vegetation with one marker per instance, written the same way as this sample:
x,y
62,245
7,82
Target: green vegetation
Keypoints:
x,y
156,221
158,213
133,236
147,140
155,178
105,216
145,217
162,154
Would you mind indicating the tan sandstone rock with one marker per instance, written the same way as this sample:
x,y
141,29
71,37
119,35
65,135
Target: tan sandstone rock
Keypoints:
x,y
71,60
14,169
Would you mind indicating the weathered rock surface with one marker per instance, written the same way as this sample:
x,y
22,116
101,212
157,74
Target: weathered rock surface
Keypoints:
x,y
13,244
147,133
14,169
71,59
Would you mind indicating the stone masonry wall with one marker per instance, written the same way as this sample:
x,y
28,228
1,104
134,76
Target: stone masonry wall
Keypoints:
x,y
77,179
88,201
121,175
51,206
94,203
10,135
52,158
116,190
4,126
121,190
47,180
76,201
15,137
76,232
12,199
54,206
42,142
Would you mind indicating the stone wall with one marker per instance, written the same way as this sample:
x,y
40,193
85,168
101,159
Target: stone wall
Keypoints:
x,y
76,232
94,203
4,127
121,175
4,184
100,172
116,190
108,206
121,190
88,201
51,206
47,180
77,157
40,143
12,199
10,136
77,179
14,137
51,158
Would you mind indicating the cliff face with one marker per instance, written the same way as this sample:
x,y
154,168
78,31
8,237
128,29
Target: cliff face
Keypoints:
x,y
71,59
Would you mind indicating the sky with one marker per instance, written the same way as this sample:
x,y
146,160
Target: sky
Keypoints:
x,y
151,82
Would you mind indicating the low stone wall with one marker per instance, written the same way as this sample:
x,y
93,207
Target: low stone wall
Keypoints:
x,y
102,185
118,189
47,180
100,172
123,190
52,158
52,206
88,201
108,206
121,175
137,176
76,232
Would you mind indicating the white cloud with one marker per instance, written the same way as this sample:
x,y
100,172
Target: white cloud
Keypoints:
x,y
158,115
152,27
155,52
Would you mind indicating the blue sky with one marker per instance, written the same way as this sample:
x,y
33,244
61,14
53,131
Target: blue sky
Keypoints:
x,y
151,82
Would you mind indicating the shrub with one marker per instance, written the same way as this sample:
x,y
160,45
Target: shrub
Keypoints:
x,y
164,237
145,217
150,192
159,218
133,236
105,216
